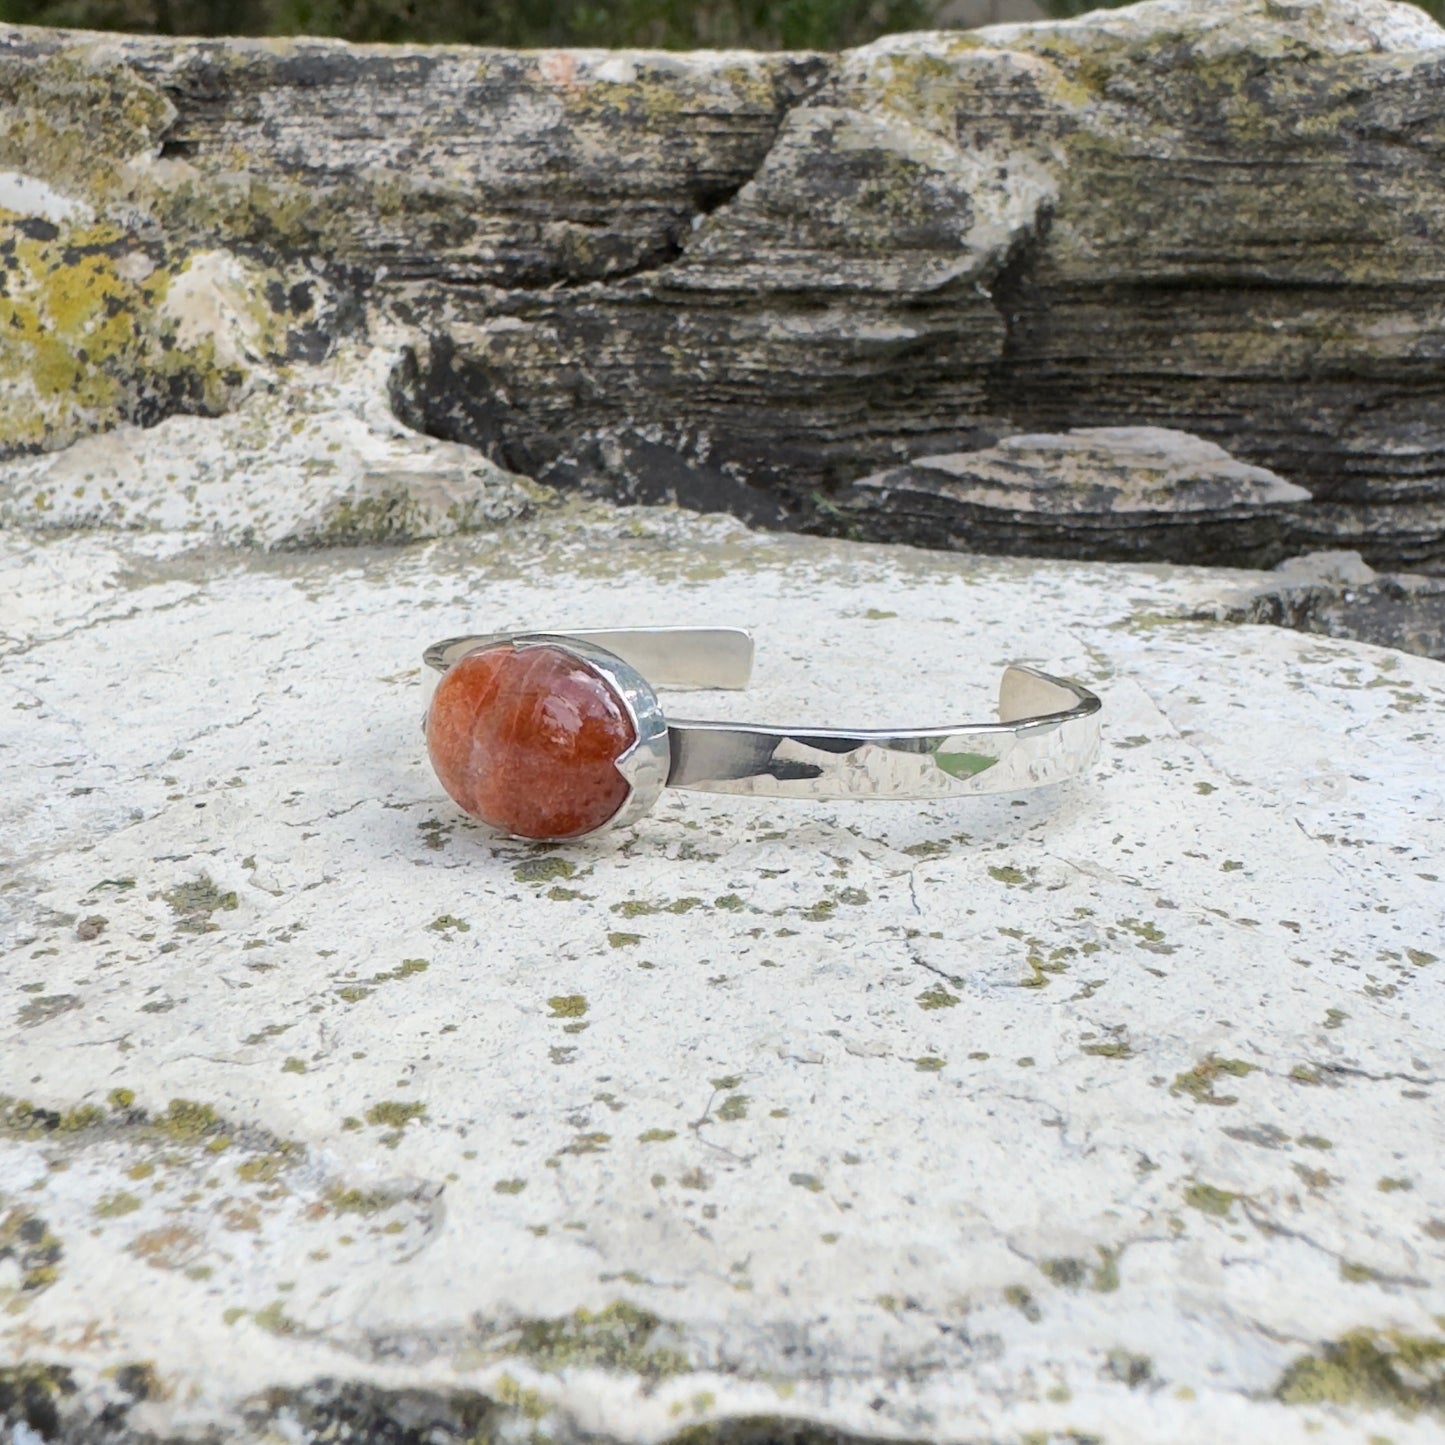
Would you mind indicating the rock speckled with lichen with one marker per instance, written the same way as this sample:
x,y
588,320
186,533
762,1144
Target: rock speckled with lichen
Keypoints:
x,y
1107,1113
749,280
1111,1112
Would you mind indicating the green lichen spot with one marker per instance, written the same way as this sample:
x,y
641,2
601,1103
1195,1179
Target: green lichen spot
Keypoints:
x,y
1008,875
394,1113
263,1170
623,940
530,1404
635,908
621,1338
1387,1185
115,1205
589,1143
1198,1083
1209,1200
729,903
42,1010
120,1099
1023,1301
448,923
734,1107
1114,1049
1150,935
193,904
26,1239
509,1186
656,1136
543,870
275,1320
83,1116
1130,1369
360,1201
810,1182
1389,1369
188,1122
1353,1273
293,1066
1105,1276
407,968
936,998
929,1064
567,1006
1067,1273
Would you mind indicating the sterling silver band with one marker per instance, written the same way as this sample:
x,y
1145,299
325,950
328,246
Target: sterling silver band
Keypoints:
x,y
1048,728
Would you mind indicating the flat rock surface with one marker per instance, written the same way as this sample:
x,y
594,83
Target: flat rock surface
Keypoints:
x,y
1111,1112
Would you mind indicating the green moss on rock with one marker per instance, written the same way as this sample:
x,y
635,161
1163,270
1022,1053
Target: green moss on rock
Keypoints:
x,y
621,1337
1389,1369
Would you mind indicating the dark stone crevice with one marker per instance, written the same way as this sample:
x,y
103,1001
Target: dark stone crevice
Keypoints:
x,y
49,1401
1406,613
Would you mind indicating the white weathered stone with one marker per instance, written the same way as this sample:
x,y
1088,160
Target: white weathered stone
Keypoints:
x,y
296,466
30,196
1094,1111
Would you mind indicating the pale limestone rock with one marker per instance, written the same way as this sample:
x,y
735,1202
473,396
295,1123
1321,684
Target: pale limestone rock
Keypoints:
x,y
1109,1111
322,464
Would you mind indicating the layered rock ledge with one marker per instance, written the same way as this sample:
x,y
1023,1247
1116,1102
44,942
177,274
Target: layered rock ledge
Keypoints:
x,y
748,281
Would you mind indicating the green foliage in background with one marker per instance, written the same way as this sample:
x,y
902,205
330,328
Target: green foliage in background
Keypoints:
x,y
674,24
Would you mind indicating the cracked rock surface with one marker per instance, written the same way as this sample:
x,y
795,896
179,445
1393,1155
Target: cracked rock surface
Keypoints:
x,y
747,281
1111,1112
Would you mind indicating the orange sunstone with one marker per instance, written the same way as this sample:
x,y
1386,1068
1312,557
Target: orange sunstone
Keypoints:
x,y
528,741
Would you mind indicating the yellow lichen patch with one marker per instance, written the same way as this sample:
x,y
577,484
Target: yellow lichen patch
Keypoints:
x,y
79,123
531,1404
100,328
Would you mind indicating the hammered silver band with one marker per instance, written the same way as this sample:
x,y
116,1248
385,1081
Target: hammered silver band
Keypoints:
x,y
1047,728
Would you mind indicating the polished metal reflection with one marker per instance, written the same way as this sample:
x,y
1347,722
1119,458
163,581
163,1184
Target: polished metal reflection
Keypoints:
x,y
1048,727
